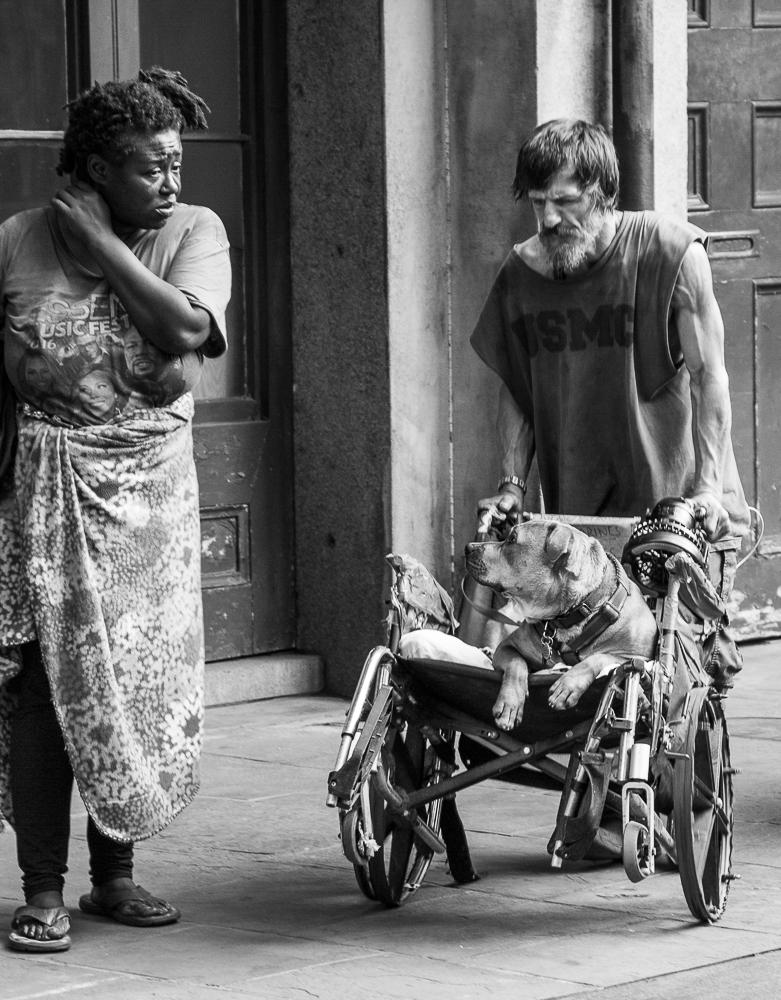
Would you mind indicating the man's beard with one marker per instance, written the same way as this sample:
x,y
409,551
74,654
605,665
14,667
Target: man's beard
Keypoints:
x,y
569,249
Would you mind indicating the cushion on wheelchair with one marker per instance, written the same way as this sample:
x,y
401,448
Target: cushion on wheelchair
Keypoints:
x,y
427,644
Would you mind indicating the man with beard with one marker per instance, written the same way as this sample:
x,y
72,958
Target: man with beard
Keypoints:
x,y
606,334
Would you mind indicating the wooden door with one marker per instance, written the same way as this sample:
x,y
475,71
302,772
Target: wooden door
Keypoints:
x,y
735,194
232,53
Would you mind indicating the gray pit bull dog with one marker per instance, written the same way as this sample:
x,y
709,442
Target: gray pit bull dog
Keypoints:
x,y
556,574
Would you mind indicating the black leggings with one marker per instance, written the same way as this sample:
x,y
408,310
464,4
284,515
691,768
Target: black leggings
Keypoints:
x,y
41,785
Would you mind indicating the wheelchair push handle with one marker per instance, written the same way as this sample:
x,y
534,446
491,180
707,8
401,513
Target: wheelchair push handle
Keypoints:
x,y
492,525
484,524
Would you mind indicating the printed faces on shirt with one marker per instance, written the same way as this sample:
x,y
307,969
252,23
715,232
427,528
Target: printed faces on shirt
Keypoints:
x,y
86,362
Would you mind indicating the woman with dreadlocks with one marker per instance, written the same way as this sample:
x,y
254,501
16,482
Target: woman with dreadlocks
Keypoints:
x,y
101,672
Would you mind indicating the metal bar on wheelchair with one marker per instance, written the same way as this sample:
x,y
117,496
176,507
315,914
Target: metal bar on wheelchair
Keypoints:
x,y
627,738
545,765
493,768
668,627
399,801
550,767
605,720
341,782
354,712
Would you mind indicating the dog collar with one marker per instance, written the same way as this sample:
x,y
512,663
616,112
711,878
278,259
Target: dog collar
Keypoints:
x,y
601,618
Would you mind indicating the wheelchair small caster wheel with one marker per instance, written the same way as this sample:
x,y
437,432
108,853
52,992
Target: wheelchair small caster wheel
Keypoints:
x,y
635,853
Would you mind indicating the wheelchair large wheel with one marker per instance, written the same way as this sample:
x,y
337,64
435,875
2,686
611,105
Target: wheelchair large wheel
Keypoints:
x,y
702,809
402,858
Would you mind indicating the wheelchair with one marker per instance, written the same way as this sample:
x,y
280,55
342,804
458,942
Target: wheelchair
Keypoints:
x,y
642,760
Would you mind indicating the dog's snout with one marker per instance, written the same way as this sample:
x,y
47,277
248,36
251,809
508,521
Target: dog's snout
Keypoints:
x,y
478,559
473,552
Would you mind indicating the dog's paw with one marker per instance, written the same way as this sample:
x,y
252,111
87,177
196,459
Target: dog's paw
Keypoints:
x,y
567,691
504,715
508,708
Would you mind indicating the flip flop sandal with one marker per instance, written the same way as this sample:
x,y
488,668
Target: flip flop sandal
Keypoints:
x,y
113,904
47,918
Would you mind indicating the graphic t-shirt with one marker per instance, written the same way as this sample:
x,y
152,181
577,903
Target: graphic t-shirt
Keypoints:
x,y
71,350
595,366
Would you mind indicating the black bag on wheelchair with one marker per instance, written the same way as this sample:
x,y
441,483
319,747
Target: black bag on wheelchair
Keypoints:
x,y
705,612
721,656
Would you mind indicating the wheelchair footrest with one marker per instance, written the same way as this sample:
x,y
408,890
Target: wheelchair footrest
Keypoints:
x,y
580,807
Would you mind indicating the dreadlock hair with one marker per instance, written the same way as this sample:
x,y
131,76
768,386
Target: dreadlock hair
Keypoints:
x,y
105,118
584,147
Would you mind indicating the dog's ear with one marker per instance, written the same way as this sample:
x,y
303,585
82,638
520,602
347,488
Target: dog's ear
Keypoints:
x,y
568,550
558,546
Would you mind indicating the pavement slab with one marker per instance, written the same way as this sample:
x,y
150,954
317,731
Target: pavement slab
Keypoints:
x,y
271,907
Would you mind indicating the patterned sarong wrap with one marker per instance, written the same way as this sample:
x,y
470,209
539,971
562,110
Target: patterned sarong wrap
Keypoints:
x,y
108,541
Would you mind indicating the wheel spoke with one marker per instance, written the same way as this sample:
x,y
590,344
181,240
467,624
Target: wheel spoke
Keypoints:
x,y
702,830
715,801
705,791
714,741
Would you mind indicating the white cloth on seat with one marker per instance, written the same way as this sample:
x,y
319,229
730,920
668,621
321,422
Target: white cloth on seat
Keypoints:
x,y
428,644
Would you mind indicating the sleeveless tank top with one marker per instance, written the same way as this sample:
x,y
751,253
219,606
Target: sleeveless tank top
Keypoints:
x,y
594,364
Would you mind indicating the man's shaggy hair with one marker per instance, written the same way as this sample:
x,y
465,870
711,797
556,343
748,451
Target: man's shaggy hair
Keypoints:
x,y
107,118
584,147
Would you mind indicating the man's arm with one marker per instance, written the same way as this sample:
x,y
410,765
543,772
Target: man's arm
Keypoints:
x,y
516,449
701,332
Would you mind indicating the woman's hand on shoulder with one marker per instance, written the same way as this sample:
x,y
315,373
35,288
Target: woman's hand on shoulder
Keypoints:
x,y
83,212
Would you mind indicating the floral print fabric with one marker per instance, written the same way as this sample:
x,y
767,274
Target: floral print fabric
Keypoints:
x,y
108,535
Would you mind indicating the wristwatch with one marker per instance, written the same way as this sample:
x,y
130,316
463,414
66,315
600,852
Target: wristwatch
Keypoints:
x,y
512,481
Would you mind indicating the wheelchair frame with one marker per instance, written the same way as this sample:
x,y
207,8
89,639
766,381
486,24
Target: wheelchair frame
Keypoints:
x,y
649,744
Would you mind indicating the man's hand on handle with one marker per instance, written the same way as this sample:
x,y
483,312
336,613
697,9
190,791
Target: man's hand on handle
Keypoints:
x,y
505,507
709,509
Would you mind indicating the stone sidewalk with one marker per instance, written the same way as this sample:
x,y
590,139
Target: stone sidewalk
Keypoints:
x,y
271,908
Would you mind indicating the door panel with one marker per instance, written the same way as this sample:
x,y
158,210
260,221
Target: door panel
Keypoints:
x,y
39,51
203,41
232,54
735,194
242,440
229,460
